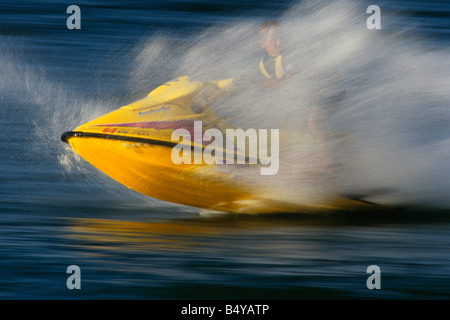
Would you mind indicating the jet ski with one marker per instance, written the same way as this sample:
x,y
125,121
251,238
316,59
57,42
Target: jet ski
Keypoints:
x,y
135,146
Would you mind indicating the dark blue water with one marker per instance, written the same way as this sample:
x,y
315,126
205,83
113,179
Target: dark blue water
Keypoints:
x,y
56,210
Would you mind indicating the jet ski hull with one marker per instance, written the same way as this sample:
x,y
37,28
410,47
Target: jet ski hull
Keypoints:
x,y
146,167
133,145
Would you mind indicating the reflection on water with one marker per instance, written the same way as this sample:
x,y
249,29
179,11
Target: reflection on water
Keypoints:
x,y
190,234
141,235
270,256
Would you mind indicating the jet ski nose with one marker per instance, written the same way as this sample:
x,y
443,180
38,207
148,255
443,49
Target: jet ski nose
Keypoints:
x,y
67,135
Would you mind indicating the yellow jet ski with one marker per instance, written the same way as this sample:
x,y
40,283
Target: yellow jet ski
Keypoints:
x,y
135,145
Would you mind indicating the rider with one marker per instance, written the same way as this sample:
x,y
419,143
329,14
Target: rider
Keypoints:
x,y
276,71
271,64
